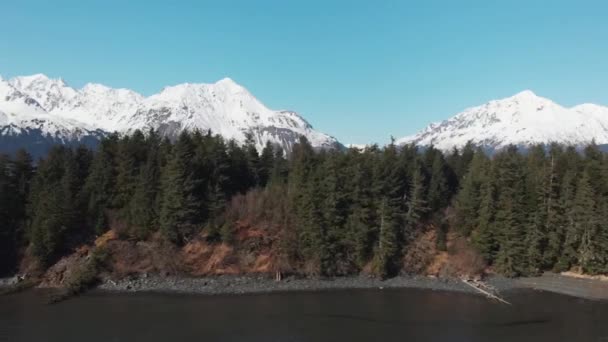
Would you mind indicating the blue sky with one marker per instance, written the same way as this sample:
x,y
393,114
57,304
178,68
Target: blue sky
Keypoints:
x,y
359,70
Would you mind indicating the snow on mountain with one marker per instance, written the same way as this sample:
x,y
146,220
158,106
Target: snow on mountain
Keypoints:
x,y
523,120
54,109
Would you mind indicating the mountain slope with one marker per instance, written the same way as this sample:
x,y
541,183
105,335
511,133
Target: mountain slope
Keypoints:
x,y
58,113
523,119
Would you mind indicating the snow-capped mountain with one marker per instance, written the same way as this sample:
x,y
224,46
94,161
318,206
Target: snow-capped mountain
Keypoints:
x,y
39,110
523,120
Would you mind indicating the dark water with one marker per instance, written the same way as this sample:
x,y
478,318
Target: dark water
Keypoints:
x,y
349,315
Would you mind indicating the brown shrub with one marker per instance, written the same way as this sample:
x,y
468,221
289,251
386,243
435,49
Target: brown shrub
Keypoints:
x,y
262,232
461,259
421,252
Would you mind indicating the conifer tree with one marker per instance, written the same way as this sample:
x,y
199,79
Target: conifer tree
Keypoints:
x,y
266,164
253,161
388,247
144,211
485,237
280,167
537,192
555,220
53,210
581,237
179,206
394,226
99,185
468,199
416,205
438,192
361,218
8,219
511,216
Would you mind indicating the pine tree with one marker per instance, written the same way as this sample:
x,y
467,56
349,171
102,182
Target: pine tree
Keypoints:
x,y
311,226
582,224
8,219
511,216
416,205
220,187
266,164
253,161
99,186
144,211
179,206
555,220
53,228
395,228
468,199
130,155
484,236
388,239
280,167
438,192
537,193
584,232
361,218
568,241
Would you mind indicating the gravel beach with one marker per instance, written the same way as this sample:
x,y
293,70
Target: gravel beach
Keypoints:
x,y
233,284
249,284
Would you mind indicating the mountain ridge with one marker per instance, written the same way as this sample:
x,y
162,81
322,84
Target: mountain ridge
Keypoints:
x,y
523,119
224,107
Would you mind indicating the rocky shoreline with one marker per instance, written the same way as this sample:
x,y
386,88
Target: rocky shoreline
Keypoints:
x,y
256,284
249,284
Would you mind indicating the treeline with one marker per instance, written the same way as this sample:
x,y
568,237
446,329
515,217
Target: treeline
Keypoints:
x,y
337,212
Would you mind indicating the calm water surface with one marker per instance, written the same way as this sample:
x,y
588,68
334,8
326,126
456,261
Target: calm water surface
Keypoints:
x,y
348,315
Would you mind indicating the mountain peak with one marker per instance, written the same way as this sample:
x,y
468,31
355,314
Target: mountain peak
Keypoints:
x,y
526,93
37,80
228,83
95,87
32,78
226,80
526,96
523,120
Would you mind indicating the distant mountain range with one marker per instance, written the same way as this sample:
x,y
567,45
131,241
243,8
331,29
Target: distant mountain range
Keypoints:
x,y
37,112
523,120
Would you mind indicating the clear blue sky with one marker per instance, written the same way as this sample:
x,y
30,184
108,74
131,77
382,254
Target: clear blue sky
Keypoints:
x,y
359,70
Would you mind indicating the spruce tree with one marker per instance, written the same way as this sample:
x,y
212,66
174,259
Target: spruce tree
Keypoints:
x,y
438,192
8,220
388,239
511,215
99,186
485,237
266,164
179,206
582,237
467,201
555,220
144,210
416,203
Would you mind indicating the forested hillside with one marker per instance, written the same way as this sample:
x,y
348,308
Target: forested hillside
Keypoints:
x,y
326,212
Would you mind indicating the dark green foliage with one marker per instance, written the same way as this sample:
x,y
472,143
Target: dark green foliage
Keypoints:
x,y
180,205
334,212
55,216
144,204
100,184
485,236
468,199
